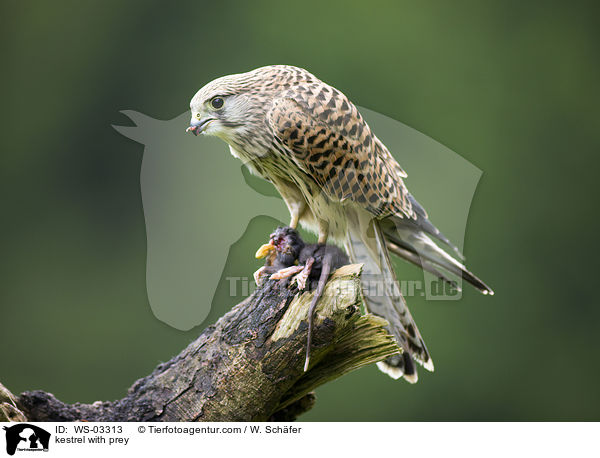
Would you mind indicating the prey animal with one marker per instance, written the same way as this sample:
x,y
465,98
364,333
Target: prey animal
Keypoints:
x,y
286,255
337,179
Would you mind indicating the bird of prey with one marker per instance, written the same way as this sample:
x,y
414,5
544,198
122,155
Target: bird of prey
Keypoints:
x,y
337,179
287,254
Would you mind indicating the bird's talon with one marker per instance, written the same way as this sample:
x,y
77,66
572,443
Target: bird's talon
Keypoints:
x,y
302,277
286,272
300,280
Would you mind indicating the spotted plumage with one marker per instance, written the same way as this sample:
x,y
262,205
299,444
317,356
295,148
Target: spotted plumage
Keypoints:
x,y
337,179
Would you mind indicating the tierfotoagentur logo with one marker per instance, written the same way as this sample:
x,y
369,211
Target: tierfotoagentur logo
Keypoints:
x,y
24,437
198,203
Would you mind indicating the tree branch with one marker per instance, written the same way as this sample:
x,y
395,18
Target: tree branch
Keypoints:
x,y
246,367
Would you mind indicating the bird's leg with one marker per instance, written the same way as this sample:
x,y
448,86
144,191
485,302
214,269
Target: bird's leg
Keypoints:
x,y
286,272
323,231
294,220
294,200
327,261
296,209
304,274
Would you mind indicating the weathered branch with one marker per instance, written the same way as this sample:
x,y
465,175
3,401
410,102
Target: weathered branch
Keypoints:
x,y
8,406
248,366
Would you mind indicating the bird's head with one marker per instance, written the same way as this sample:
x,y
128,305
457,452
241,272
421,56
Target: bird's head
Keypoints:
x,y
235,107
285,243
232,107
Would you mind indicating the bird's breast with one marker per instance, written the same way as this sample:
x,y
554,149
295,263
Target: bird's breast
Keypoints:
x,y
281,170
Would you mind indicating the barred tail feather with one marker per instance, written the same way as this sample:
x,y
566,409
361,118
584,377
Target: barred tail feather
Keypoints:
x,y
415,243
400,366
422,222
423,264
365,244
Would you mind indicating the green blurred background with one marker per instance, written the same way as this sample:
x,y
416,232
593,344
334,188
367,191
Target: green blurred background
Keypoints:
x,y
511,86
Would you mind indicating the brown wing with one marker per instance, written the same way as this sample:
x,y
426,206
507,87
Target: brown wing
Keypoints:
x,y
328,139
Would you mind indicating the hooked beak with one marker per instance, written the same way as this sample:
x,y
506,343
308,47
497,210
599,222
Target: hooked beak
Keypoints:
x,y
265,250
198,126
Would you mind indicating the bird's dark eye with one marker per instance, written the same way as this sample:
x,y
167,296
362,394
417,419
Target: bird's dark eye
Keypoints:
x,y
217,103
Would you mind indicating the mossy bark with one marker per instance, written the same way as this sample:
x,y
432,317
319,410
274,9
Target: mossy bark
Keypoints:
x,y
246,367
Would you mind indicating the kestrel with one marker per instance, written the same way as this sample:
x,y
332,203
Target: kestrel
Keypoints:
x,y
337,180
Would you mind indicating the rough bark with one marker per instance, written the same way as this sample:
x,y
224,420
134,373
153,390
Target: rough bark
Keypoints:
x,y
246,367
